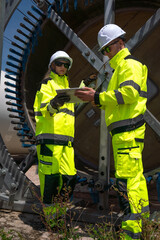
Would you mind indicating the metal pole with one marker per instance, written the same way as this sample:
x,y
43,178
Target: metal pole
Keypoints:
x,y
109,11
105,139
2,15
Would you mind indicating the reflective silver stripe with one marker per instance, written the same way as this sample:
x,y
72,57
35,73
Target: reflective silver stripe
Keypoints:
x,y
132,234
55,137
45,163
136,216
37,113
143,94
136,86
66,110
132,216
43,105
119,97
131,83
145,209
125,122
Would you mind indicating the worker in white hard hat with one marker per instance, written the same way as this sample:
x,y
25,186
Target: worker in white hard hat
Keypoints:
x,y
55,120
124,103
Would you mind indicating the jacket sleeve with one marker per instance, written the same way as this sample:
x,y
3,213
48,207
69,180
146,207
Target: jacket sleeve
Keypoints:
x,y
47,93
129,80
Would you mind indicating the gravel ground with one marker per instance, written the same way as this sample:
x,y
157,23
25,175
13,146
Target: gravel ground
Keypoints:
x,y
25,226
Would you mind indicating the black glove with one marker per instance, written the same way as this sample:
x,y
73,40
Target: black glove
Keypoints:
x,y
59,100
90,79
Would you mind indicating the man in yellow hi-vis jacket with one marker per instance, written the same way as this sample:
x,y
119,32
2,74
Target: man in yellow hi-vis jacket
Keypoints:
x,y
124,103
55,130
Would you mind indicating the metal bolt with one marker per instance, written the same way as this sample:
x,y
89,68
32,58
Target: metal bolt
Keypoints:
x,y
92,59
7,192
13,186
98,186
87,53
57,19
3,171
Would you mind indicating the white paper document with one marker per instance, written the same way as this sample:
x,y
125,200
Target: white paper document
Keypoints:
x,y
71,92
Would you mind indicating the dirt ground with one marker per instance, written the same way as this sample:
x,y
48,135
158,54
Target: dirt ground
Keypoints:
x,y
27,226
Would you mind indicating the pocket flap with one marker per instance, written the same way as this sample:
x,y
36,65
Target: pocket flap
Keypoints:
x,y
135,155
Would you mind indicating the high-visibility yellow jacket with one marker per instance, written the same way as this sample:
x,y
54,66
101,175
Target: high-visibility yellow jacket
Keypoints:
x,y
126,96
53,126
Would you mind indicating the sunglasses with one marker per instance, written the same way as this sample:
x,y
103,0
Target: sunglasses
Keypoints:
x,y
107,48
59,64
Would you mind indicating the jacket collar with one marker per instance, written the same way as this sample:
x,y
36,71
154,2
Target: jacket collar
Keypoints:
x,y
56,76
60,80
115,61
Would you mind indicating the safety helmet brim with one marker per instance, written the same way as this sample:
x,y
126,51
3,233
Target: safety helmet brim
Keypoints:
x,y
61,55
108,33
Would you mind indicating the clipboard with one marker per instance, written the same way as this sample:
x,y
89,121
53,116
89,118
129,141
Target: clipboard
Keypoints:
x,y
71,92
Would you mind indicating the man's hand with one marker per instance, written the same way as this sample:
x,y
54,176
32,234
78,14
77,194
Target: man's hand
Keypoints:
x,y
90,79
86,94
59,100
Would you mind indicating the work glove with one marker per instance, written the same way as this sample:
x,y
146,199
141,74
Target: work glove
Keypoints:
x,y
59,100
90,79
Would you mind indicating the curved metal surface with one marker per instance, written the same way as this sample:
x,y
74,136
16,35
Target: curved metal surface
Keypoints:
x,y
86,25
9,135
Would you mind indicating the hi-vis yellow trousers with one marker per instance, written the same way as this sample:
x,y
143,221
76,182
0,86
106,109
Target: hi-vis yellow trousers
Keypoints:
x,y
131,183
55,167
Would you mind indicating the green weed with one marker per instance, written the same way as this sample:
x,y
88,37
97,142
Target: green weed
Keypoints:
x,y
9,235
58,219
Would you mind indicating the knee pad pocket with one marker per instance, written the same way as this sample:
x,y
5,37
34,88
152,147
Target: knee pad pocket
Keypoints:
x,y
128,162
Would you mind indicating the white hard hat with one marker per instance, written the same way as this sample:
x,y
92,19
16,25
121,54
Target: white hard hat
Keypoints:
x,y
108,33
60,54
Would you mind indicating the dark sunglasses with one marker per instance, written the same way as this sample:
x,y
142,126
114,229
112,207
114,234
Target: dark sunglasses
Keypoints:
x,y
107,48
59,64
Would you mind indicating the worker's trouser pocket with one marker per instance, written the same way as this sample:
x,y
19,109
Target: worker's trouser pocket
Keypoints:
x,y
127,162
45,151
45,157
